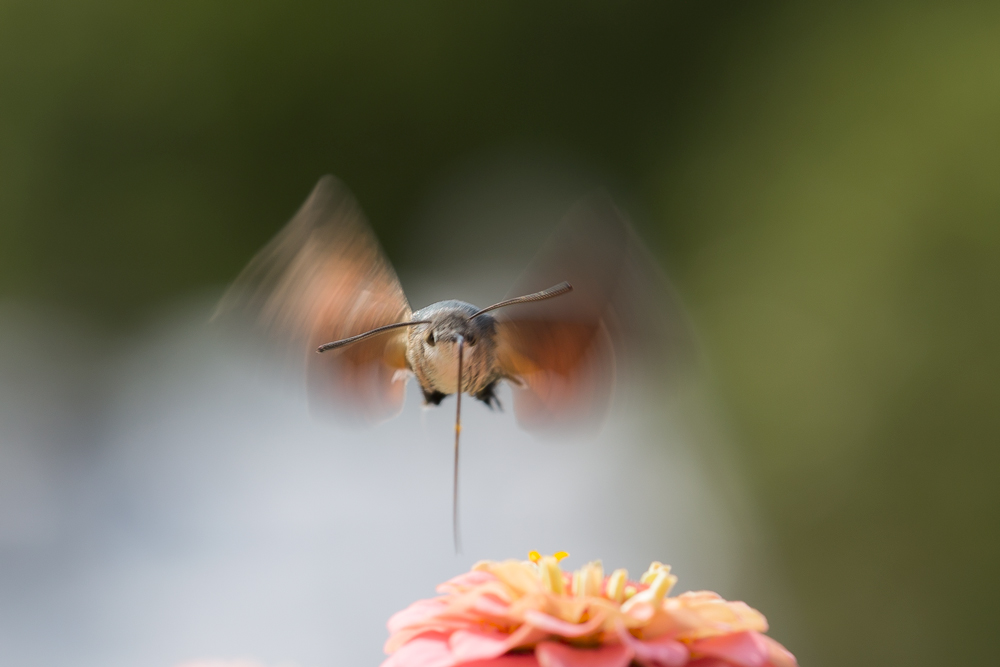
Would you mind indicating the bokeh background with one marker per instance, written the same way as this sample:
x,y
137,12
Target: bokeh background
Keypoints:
x,y
821,184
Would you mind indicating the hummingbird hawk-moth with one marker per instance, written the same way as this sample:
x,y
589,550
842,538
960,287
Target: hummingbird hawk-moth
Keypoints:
x,y
324,287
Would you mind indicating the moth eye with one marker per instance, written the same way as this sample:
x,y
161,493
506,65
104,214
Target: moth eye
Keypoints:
x,y
471,340
430,339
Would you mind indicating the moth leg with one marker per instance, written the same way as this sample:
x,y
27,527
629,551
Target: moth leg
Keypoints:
x,y
432,397
487,396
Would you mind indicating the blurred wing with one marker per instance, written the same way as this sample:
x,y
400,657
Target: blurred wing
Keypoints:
x,y
559,352
324,278
562,354
562,372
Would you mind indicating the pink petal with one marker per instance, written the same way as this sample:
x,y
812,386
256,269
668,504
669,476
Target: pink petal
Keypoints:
x,y
427,650
516,660
557,626
490,605
553,654
708,662
778,655
467,580
418,612
468,645
744,649
642,611
662,652
445,623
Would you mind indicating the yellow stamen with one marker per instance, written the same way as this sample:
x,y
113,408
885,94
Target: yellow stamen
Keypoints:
x,y
534,556
660,582
588,579
552,576
630,590
661,585
654,569
615,589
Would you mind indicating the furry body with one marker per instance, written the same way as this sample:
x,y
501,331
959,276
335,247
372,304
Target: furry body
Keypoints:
x,y
432,352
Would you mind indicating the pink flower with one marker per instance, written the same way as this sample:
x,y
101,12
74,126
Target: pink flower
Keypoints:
x,y
532,614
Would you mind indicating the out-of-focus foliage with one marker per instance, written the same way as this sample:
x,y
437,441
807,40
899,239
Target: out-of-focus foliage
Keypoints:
x,y
149,149
842,211
824,184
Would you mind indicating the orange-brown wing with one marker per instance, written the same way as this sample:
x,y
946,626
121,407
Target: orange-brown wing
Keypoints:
x,y
559,353
562,372
324,278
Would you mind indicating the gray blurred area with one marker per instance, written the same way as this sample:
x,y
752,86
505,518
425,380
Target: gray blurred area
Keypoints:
x,y
163,498
819,181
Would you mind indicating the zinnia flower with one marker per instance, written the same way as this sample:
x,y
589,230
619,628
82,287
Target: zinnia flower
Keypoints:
x,y
532,614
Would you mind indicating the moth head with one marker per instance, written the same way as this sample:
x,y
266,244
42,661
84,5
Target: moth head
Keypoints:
x,y
451,325
448,326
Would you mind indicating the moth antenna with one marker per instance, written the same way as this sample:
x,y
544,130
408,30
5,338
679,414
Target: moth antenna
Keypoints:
x,y
458,432
374,332
554,291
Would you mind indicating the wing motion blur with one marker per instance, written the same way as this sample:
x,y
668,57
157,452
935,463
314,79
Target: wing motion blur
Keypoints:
x,y
561,354
324,277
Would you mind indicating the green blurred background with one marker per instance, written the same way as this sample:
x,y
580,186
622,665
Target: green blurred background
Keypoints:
x,y
822,183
